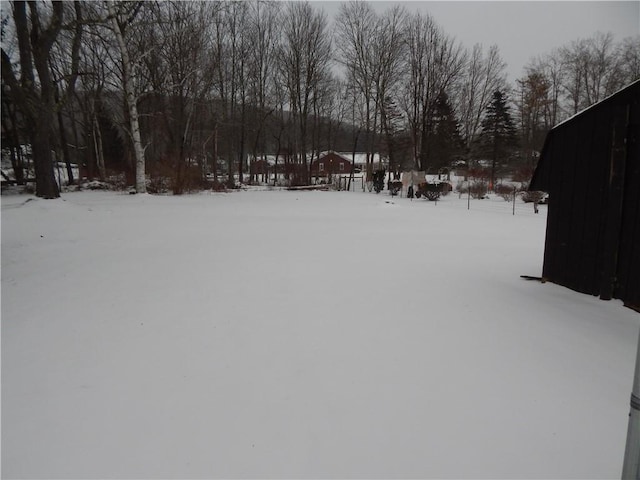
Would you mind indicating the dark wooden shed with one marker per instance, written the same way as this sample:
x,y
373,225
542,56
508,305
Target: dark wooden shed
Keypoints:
x,y
590,166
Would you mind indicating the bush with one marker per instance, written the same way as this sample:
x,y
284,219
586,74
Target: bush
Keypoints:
x,y
95,185
158,184
479,189
217,186
171,175
507,192
534,196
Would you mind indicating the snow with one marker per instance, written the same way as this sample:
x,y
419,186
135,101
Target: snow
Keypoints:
x,y
300,334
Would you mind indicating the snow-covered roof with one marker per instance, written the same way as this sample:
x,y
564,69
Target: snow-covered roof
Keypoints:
x,y
360,157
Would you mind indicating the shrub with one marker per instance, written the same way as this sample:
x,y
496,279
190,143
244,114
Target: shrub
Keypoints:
x,y
533,196
507,192
158,184
479,189
217,186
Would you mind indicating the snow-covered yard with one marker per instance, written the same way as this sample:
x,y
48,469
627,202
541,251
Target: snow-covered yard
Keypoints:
x,y
300,334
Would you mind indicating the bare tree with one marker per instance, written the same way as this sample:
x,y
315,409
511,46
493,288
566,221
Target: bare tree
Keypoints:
x,y
120,16
32,86
280,132
482,75
230,58
585,72
263,36
434,62
390,49
64,63
603,75
181,78
100,80
593,70
629,55
532,105
356,30
304,57
553,70
371,48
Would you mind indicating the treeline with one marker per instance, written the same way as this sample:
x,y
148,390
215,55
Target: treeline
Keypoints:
x,y
180,90
559,84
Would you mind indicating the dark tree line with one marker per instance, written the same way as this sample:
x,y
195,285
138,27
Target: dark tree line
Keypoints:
x,y
182,89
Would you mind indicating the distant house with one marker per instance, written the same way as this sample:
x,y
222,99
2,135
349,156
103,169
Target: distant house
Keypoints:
x,y
330,163
590,166
360,160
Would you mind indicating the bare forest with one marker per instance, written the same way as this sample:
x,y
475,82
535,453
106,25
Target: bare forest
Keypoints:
x,y
181,95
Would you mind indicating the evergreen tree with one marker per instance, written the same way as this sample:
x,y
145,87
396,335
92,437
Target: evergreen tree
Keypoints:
x,y
498,137
445,143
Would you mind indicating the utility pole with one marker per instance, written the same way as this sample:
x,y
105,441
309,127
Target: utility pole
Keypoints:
x,y
631,466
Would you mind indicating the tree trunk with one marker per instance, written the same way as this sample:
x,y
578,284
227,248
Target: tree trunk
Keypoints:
x,y
127,80
46,186
64,143
215,152
97,143
424,142
41,134
35,98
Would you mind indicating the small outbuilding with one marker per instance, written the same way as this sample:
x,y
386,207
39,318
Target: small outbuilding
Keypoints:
x,y
590,167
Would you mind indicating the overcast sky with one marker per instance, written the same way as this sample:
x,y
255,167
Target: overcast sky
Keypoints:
x,y
522,29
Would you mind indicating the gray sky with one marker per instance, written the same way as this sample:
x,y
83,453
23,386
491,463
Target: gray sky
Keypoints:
x,y
522,29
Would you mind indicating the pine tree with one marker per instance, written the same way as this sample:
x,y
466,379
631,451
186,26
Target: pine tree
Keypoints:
x,y
498,137
446,142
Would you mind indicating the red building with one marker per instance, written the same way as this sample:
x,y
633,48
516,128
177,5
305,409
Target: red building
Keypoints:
x,y
330,164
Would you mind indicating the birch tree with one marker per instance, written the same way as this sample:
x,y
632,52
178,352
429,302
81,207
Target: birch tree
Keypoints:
x,y
120,15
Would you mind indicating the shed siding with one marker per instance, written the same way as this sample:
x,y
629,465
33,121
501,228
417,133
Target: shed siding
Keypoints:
x,y
628,285
593,226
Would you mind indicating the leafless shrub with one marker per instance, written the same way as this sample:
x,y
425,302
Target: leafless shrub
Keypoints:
x,y
479,189
507,192
218,186
533,196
